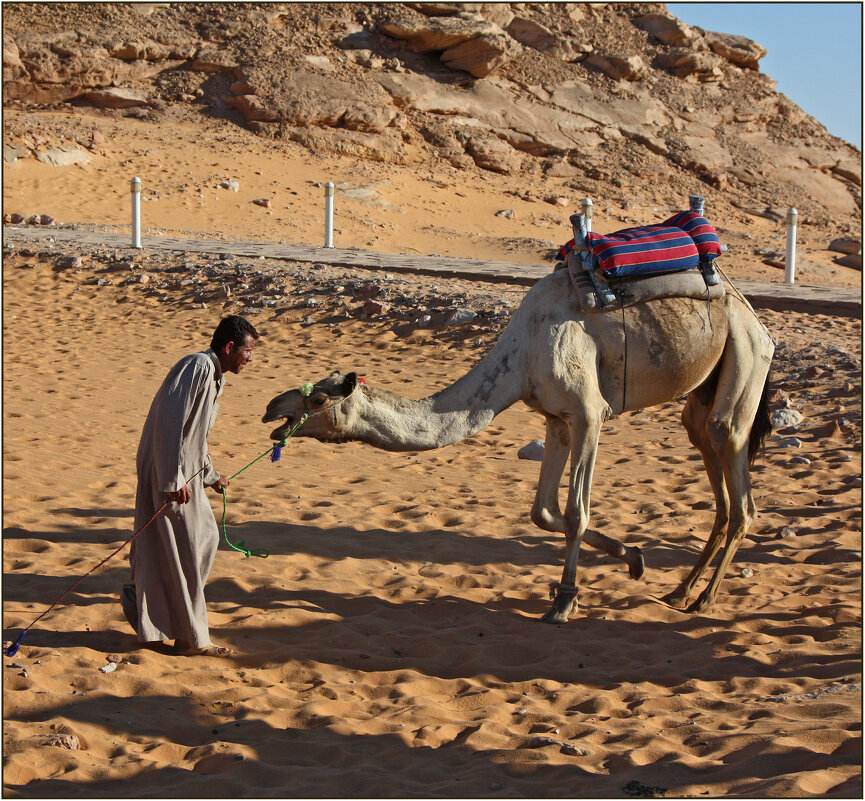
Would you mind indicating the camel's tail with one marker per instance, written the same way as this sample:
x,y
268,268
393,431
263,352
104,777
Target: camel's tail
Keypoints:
x,y
762,425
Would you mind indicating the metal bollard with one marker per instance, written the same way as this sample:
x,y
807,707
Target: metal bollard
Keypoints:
x,y
588,210
136,212
328,214
790,261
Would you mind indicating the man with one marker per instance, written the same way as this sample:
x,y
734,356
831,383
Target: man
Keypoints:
x,y
172,557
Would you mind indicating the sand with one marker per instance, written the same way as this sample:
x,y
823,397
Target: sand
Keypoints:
x,y
390,644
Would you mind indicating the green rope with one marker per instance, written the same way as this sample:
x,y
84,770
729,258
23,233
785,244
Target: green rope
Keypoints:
x,y
305,390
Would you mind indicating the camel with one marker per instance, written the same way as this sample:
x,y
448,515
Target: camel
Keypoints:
x,y
579,369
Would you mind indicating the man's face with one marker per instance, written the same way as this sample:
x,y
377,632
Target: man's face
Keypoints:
x,y
238,357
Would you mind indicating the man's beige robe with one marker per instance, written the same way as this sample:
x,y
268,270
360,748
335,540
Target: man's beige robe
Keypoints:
x,y
172,557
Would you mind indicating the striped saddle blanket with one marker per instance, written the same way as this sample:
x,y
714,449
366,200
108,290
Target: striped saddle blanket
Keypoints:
x,y
679,243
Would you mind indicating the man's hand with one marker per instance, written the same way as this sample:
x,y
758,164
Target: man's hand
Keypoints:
x,y
217,485
180,496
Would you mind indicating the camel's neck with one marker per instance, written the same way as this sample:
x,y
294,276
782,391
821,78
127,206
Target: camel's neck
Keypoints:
x,y
399,424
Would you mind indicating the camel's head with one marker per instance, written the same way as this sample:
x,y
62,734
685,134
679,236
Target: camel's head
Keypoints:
x,y
320,402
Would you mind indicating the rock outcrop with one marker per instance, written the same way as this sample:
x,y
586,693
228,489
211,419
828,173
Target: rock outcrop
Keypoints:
x,y
614,94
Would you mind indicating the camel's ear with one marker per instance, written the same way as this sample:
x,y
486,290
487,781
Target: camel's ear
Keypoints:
x,y
349,383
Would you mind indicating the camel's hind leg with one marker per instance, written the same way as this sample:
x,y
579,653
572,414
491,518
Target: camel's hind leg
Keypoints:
x,y
546,513
694,418
739,398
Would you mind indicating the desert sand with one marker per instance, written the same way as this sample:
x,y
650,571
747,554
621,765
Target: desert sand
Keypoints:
x,y
390,644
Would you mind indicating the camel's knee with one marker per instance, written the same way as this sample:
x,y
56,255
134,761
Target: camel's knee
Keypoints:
x,y
725,440
547,519
575,523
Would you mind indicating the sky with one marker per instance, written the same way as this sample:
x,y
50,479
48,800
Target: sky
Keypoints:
x,y
815,53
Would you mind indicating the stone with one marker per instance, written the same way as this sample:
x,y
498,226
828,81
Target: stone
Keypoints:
x,y
69,741
69,263
618,67
531,34
701,67
786,418
263,202
852,260
846,245
64,156
737,50
668,30
492,154
208,60
459,316
438,34
534,450
234,186
789,442
480,56
506,213
115,97
375,308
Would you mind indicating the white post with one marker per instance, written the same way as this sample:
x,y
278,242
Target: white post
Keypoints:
x,y
136,212
790,262
588,209
328,214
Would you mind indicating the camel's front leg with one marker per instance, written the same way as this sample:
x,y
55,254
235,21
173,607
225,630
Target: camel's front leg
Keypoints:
x,y
545,510
584,448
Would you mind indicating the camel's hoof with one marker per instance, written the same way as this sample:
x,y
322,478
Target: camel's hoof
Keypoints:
x,y
636,563
563,607
701,606
555,616
675,599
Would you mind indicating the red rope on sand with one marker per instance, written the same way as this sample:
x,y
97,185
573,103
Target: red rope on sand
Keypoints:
x,y
13,649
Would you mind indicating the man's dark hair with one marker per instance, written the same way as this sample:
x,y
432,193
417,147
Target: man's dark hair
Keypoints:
x,y
232,329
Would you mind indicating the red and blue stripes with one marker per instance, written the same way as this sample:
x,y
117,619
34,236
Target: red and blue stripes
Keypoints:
x,y
679,243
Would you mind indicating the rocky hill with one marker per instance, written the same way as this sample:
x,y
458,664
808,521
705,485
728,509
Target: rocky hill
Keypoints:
x,y
616,98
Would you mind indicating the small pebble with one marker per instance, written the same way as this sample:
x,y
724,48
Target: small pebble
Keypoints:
x,y
108,668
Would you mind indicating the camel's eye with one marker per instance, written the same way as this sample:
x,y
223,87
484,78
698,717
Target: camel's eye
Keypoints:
x,y
319,400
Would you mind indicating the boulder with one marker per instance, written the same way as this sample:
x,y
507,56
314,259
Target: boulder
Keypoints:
x,y
208,60
309,98
13,69
146,50
466,42
479,56
534,450
492,154
846,245
531,34
618,67
118,97
64,156
666,29
737,50
687,65
438,33
852,260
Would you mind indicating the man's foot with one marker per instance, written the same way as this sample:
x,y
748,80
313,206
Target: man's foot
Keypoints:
x,y
183,648
129,604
